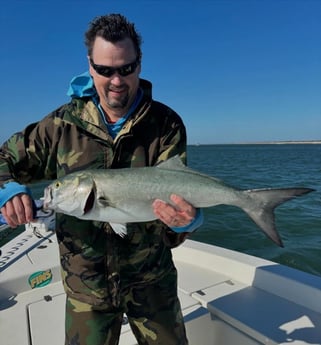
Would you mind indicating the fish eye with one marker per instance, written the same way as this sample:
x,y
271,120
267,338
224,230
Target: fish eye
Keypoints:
x,y
57,184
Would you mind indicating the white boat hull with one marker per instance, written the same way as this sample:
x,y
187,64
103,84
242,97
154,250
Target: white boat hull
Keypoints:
x,y
228,298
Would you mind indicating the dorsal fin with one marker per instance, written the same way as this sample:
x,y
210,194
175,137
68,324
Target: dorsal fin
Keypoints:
x,y
173,163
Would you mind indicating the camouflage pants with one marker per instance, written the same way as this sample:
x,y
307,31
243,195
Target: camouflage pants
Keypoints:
x,y
153,311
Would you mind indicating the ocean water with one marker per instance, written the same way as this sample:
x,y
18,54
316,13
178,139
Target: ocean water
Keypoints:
x,y
262,166
265,166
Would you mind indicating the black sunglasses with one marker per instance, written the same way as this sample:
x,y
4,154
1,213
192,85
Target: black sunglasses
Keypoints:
x,y
107,71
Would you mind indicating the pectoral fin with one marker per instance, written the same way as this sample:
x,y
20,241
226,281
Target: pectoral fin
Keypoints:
x,y
103,202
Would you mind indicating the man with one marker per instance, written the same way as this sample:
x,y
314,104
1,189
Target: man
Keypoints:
x,y
111,122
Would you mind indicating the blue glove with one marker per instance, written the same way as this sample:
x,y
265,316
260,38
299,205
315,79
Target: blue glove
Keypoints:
x,y
10,189
193,225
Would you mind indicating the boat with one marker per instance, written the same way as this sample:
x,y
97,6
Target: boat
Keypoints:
x,y
227,297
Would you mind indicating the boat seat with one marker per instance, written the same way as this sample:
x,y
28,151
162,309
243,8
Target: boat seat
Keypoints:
x,y
264,317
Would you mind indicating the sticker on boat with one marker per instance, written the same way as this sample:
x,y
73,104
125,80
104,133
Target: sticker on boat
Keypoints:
x,y
40,279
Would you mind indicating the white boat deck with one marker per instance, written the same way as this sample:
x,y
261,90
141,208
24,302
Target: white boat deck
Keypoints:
x,y
227,297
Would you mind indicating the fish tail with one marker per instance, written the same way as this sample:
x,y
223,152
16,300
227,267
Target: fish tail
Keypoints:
x,y
262,208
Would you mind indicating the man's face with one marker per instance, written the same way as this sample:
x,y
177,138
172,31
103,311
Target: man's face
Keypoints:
x,y
116,92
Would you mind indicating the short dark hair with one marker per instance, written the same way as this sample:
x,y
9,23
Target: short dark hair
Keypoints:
x,y
113,28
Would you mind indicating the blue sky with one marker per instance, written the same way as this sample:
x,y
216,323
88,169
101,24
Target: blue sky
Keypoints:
x,y
235,70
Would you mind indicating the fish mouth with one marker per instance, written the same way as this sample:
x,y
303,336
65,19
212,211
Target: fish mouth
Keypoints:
x,y
47,198
89,205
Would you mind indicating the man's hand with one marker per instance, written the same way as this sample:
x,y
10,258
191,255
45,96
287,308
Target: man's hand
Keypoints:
x,y
18,210
181,214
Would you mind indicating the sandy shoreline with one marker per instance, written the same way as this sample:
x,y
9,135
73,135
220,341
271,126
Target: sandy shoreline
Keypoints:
x,y
285,142
307,142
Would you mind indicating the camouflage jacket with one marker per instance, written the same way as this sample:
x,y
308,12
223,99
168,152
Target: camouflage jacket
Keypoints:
x,y
98,265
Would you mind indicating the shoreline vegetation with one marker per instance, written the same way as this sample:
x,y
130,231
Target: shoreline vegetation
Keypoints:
x,y
285,142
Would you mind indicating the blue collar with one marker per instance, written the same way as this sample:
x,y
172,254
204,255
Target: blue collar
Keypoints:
x,y
83,86
114,128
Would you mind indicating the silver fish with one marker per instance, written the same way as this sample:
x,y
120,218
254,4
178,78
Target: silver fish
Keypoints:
x,y
121,196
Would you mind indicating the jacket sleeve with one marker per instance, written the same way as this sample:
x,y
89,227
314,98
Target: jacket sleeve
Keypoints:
x,y
26,157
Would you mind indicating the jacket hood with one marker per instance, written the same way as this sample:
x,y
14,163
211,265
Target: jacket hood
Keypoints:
x,y
82,85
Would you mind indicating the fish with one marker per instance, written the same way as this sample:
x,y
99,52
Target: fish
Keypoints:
x,y
126,195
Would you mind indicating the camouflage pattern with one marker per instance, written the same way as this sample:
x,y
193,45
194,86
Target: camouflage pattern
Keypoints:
x,y
153,312
100,269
